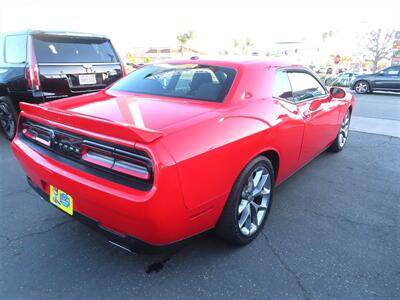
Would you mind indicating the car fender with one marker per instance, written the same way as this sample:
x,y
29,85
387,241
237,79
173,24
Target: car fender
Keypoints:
x,y
216,151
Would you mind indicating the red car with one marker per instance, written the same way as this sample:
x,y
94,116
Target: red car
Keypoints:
x,y
178,148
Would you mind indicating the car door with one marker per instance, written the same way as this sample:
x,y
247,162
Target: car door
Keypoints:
x,y
319,110
388,79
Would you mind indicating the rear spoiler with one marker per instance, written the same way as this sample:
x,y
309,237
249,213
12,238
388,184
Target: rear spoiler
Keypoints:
x,y
98,126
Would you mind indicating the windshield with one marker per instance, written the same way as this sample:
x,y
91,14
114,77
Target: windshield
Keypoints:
x,y
73,50
191,81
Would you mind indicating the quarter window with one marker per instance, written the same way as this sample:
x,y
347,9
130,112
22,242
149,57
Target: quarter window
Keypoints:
x,y
305,86
282,88
15,49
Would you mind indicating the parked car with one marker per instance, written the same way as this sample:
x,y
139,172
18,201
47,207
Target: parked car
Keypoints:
x,y
178,148
343,79
385,80
40,66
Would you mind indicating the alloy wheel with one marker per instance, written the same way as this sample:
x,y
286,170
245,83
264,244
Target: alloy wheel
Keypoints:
x,y
361,87
7,121
255,199
344,130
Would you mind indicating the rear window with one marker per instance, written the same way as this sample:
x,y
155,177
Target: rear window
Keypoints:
x,y
190,81
15,49
73,50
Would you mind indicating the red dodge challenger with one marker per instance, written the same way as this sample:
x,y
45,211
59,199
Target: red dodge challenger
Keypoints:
x,y
177,148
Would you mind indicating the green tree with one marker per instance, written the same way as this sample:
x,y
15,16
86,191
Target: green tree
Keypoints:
x,y
184,39
243,45
246,45
130,57
236,44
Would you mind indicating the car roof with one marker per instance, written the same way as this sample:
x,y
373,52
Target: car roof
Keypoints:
x,y
55,32
228,61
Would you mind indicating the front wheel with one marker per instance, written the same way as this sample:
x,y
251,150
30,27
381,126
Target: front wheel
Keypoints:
x,y
343,134
249,203
8,117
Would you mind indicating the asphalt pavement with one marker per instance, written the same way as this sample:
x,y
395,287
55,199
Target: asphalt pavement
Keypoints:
x,y
333,233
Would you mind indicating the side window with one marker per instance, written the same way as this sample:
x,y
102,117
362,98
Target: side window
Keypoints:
x,y
282,88
305,86
15,49
392,71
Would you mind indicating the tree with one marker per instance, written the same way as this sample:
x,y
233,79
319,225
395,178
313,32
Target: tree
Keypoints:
x,y
236,44
378,45
246,45
243,45
184,39
130,57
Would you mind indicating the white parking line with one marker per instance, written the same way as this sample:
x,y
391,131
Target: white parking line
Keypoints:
x,y
376,126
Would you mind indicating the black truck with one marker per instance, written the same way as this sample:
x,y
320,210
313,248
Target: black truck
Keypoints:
x,y
39,66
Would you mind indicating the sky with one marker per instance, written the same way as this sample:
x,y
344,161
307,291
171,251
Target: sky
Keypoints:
x,y
154,23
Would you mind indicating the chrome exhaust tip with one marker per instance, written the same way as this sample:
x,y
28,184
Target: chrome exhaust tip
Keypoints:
x,y
121,247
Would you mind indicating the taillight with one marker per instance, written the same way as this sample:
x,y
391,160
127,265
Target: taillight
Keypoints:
x,y
109,158
38,134
118,161
32,69
123,70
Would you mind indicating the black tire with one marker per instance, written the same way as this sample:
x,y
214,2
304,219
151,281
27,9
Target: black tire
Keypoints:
x,y
8,117
362,87
338,143
228,224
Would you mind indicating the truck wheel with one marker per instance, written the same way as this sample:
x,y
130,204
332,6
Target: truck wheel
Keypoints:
x,y
8,117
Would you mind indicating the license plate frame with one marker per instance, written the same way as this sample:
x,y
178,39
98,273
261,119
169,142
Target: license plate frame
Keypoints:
x,y
61,200
87,79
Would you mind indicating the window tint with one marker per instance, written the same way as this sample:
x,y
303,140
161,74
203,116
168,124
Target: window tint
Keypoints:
x,y
305,86
392,71
192,81
73,50
15,49
282,88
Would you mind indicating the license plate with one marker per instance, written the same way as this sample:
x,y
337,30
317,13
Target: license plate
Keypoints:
x,y
87,79
62,200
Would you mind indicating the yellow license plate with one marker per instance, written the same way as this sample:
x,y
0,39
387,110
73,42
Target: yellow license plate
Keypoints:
x,y
62,200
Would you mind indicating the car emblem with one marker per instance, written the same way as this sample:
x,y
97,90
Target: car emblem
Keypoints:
x,y
88,68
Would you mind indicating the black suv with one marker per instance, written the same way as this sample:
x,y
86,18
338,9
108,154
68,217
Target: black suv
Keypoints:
x,y
40,66
385,80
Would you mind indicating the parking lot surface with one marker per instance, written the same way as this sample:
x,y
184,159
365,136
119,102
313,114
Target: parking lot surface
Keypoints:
x,y
333,232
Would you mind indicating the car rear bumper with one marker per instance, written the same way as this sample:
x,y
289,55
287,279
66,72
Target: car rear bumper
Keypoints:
x,y
130,217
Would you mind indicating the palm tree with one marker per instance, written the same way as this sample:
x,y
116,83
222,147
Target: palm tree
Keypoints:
x,y
236,44
247,44
184,39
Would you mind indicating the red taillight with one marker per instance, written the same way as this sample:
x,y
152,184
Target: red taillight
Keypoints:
x,y
117,163
37,134
123,70
32,69
28,77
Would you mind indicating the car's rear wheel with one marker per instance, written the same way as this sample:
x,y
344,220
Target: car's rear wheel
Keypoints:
x,y
343,134
8,117
249,203
361,87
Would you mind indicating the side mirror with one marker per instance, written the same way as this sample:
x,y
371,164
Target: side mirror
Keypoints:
x,y
337,92
381,73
